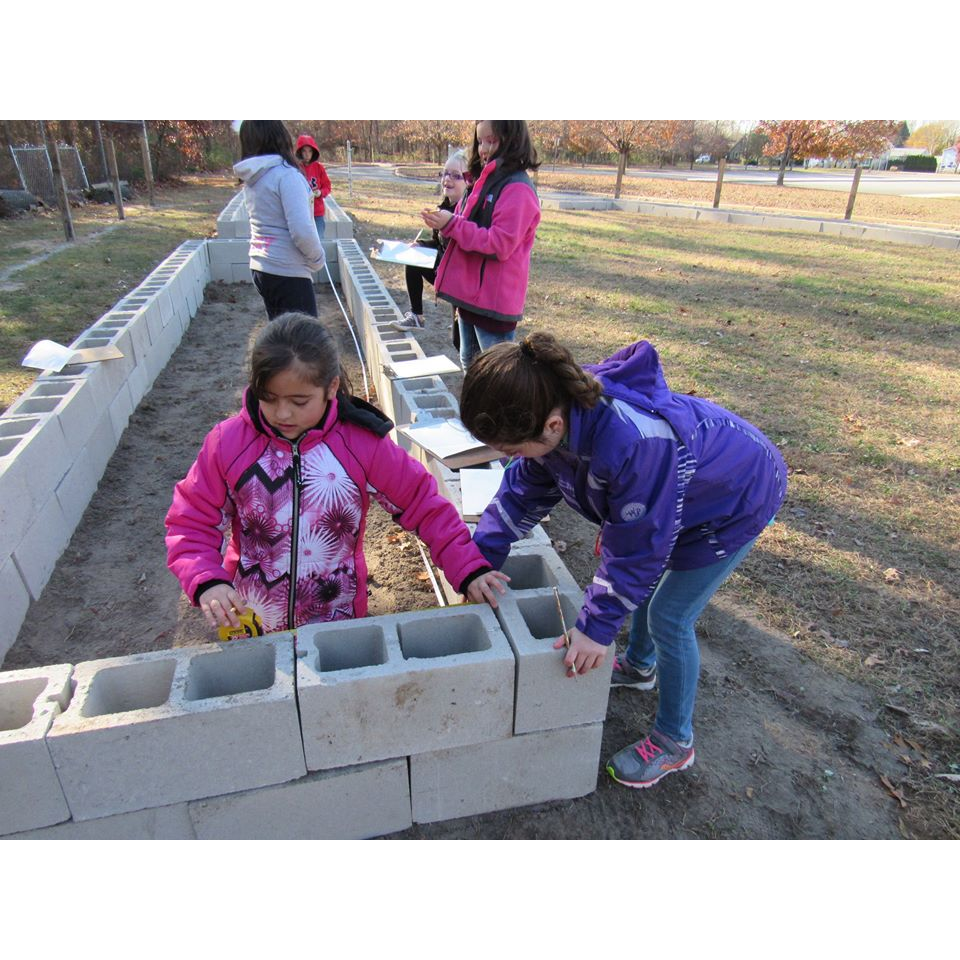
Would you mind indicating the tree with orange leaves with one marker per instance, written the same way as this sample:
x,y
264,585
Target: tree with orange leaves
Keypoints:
x,y
623,136
791,138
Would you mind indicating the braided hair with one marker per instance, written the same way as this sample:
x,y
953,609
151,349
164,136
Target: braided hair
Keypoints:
x,y
511,389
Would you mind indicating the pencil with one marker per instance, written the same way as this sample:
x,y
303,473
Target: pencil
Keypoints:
x,y
563,623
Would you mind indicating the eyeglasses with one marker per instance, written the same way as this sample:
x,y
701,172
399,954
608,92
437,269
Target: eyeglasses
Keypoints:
x,y
451,175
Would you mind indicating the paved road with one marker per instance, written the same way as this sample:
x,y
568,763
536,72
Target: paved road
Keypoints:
x,y
938,185
871,181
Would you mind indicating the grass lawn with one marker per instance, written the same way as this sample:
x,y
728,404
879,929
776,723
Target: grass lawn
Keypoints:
x,y
847,354
58,298
805,201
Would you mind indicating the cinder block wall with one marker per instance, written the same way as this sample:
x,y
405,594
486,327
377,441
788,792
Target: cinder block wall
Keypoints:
x,y
352,729
58,436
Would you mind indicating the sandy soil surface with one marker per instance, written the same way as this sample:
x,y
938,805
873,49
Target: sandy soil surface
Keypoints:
x,y
783,748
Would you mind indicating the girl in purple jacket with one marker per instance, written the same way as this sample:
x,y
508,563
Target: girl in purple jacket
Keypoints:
x,y
287,483
680,487
486,263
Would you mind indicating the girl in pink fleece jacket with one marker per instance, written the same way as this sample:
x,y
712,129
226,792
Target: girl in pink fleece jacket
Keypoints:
x,y
286,483
489,237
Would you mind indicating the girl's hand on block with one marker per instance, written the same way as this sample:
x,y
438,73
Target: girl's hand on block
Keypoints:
x,y
436,219
486,587
221,605
584,654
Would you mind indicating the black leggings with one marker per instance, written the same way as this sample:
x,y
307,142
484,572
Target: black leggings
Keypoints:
x,y
415,277
283,294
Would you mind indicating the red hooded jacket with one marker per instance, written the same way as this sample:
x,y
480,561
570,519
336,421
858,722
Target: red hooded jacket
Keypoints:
x,y
315,173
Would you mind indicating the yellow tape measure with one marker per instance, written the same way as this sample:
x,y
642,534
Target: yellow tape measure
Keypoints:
x,y
250,626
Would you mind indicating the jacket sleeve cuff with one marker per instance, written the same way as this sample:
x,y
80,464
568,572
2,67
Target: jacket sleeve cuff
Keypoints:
x,y
206,585
470,577
596,630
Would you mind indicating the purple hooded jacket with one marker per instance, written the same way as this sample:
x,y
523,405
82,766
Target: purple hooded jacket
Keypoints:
x,y
675,482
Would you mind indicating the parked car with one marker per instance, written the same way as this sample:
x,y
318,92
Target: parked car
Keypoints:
x,y
703,158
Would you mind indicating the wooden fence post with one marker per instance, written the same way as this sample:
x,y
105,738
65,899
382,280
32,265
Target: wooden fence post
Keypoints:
x,y
147,166
720,168
58,183
117,195
853,192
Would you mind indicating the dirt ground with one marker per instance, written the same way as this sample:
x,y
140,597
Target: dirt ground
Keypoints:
x,y
784,749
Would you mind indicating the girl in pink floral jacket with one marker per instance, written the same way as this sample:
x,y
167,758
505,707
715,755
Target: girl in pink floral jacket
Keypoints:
x,y
287,483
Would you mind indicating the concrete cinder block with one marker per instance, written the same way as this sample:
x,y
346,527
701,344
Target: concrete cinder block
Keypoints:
x,y
558,764
163,347
129,332
159,823
79,485
14,602
945,242
70,400
46,538
351,803
102,382
395,685
30,794
801,224
678,212
161,728
911,237
406,393
849,230
533,564
120,411
714,216
164,305
546,696
139,384
746,219
228,251
33,461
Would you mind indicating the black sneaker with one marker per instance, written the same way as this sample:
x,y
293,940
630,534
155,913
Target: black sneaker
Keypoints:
x,y
625,674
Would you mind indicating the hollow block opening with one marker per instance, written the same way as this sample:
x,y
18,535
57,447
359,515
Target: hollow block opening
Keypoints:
x,y
442,636
17,700
529,572
52,389
430,403
39,405
349,649
542,618
133,686
17,428
231,671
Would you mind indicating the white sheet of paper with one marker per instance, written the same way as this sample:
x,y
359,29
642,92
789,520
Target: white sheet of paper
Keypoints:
x,y
398,251
478,488
47,355
423,367
442,438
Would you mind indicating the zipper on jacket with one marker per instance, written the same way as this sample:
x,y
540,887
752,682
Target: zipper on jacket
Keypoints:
x,y
483,267
294,534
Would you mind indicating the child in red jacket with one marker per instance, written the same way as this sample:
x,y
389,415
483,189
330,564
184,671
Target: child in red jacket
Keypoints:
x,y
309,156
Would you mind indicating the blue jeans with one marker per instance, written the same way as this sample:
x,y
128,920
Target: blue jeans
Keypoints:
x,y
662,633
473,341
321,226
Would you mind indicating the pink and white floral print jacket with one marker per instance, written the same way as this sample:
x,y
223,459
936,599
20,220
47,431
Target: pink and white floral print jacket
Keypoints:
x,y
294,512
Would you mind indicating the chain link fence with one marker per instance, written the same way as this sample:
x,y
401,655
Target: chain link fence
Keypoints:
x,y
36,171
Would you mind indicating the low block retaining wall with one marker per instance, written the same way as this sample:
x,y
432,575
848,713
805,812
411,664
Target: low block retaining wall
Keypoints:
x,y
351,729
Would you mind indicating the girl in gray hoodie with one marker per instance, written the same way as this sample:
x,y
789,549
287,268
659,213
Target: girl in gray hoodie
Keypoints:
x,y
285,250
